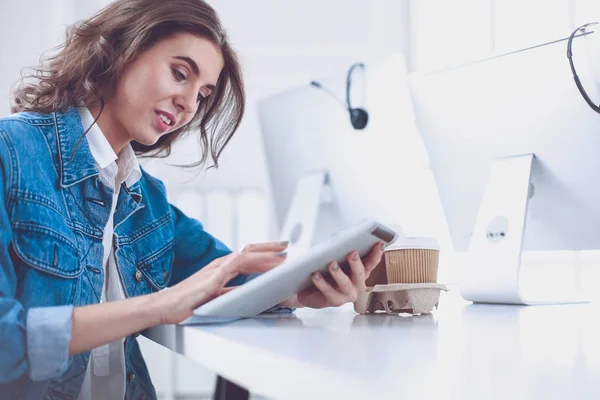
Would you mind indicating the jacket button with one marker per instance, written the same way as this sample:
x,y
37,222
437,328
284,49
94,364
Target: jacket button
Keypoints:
x,y
138,275
131,376
165,275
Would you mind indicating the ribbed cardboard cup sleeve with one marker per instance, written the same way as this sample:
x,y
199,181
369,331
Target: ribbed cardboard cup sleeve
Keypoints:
x,y
412,265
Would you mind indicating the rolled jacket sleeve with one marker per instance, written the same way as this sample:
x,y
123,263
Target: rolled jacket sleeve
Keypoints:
x,y
48,336
13,363
13,360
33,343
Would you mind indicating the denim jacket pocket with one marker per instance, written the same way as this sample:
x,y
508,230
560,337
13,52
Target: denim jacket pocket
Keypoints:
x,y
41,239
42,250
157,266
151,250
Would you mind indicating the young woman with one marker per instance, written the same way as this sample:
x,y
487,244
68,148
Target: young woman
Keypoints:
x,y
88,240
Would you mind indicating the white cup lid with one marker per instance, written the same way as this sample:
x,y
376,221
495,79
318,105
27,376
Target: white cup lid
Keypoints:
x,y
404,243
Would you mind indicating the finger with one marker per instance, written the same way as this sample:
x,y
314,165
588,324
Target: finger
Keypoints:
x,y
334,298
358,271
373,258
260,261
252,262
216,263
343,282
216,274
271,246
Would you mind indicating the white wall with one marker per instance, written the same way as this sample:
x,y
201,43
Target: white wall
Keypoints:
x,y
450,33
27,29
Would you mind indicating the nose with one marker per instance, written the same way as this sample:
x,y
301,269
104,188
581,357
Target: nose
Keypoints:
x,y
186,101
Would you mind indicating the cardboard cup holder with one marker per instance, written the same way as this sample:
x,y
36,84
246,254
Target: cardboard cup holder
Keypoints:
x,y
397,298
405,281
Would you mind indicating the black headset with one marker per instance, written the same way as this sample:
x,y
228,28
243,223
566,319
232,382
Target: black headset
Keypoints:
x,y
358,116
570,57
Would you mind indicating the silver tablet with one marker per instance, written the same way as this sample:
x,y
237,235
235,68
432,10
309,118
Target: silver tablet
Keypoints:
x,y
293,276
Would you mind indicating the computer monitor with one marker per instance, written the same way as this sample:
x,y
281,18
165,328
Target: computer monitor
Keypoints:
x,y
313,152
513,145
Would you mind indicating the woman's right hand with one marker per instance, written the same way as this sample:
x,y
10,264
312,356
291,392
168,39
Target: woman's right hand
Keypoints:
x,y
178,302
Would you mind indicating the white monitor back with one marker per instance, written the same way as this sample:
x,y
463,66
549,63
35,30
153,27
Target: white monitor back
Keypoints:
x,y
305,130
519,103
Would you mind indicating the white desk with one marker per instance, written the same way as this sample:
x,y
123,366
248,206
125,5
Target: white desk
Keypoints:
x,y
463,351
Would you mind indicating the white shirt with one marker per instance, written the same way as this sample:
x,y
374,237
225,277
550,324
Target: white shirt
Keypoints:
x,y
105,375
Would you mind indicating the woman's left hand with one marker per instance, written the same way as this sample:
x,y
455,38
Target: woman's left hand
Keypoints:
x,y
340,288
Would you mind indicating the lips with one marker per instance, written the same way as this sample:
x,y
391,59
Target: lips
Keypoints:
x,y
168,115
164,120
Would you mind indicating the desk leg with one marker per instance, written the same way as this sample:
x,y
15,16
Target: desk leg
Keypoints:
x,y
226,390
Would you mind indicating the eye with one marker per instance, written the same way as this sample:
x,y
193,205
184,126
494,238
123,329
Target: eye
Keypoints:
x,y
179,76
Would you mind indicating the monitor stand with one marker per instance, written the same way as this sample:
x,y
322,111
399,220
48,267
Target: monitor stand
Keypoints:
x,y
492,272
312,216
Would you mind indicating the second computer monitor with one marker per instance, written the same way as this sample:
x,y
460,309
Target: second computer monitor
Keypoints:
x,y
370,171
525,102
514,150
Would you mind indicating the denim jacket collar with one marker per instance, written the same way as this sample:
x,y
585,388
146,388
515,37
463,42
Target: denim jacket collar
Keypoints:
x,y
78,164
81,165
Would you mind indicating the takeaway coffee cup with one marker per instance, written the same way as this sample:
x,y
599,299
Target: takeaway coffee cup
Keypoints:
x,y
412,260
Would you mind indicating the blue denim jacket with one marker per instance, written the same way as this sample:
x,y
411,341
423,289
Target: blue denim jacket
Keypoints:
x,y
53,209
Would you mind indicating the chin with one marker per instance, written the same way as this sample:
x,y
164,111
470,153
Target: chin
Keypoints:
x,y
147,141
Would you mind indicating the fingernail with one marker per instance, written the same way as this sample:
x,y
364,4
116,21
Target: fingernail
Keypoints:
x,y
283,254
317,276
283,243
335,266
382,245
355,256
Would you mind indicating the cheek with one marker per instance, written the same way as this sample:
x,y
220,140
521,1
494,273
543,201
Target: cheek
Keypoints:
x,y
159,85
144,86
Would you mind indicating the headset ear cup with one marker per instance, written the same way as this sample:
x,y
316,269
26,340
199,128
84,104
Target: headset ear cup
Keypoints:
x,y
359,118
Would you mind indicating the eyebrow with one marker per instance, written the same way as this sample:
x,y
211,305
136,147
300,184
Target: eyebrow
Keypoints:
x,y
194,67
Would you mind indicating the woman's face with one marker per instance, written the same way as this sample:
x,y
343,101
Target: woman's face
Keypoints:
x,y
159,92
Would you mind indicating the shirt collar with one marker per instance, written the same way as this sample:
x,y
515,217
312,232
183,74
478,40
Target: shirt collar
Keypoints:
x,y
101,150
129,164
107,161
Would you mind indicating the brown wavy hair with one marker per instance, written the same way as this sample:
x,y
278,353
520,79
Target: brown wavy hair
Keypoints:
x,y
87,66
